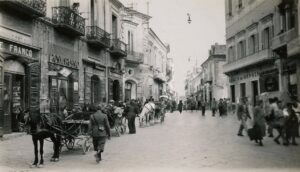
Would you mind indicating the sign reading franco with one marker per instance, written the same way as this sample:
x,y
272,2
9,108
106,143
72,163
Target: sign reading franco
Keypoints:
x,y
67,62
16,49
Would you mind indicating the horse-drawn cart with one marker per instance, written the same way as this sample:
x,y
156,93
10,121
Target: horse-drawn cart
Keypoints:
x,y
75,131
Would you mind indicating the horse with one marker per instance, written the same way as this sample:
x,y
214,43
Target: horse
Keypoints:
x,y
40,127
147,112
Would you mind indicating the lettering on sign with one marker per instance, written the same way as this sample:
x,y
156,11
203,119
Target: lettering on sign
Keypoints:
x,y
56,59
243,77
16,49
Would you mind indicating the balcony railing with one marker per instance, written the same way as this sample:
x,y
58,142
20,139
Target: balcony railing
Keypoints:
x,y
283,39
118,48
34,8
68,21
135,57
115,70
259,57
159,76
97,36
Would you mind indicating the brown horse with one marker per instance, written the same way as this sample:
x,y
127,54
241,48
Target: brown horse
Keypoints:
x,y
41,127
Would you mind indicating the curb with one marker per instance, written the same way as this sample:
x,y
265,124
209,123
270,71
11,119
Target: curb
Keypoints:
x,y
11,136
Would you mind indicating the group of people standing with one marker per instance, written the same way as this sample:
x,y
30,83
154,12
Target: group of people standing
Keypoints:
x,y
222,106
102,120
269,115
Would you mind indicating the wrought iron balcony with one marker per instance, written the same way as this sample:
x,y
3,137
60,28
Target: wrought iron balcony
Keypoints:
x,y
159,76
97,37
115,70
250,60
283,38
32,8
118,48
134,57
68,21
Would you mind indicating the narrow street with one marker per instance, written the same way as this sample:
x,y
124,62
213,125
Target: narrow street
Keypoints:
x,y
185,142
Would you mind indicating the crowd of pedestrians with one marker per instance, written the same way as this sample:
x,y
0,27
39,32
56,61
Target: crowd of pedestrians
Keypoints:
x,y
222,106
271,115
105,117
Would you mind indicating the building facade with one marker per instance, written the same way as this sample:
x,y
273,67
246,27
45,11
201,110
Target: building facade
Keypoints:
x,y
251,64
214,81
65,54
286,45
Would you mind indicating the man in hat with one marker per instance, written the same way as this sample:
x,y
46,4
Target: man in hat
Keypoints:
x,y
99,130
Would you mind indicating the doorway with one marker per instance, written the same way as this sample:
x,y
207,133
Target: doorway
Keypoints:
x,y
254,92
232,91
13,99
116,90
243,90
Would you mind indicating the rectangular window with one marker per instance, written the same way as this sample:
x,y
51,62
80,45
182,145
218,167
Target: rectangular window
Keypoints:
x,y
114,27
129,42
266,38
241,49
251,44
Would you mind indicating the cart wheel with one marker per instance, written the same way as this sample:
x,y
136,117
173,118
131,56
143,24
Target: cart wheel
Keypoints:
x,y
85,146
70,144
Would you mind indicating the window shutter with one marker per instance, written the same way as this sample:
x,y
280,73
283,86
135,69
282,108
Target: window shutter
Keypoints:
x,y
34,89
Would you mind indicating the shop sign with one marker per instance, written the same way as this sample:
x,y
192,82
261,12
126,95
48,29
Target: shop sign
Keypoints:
x,y
243,77
15,35
56,59
16,49
52,73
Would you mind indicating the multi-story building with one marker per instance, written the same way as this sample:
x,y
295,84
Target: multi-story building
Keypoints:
x,y
67,53
214,80
286,44
146,62
251,63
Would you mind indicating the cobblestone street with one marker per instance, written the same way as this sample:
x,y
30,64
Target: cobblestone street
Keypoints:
x,y
186,141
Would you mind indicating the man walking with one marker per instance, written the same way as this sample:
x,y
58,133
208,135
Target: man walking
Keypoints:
x,y
214,106
99,130
131,112
243,115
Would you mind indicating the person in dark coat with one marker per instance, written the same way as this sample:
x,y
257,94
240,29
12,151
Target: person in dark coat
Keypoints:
x,y
221,107
203,105
214,106
259,122
99,130
291,125
131,112
180,106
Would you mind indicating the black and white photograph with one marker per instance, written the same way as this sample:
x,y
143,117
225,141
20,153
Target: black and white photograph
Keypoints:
x,y
149,85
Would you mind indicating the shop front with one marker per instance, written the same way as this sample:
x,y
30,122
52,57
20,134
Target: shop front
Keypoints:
x,y
63,82
19,67
115,84
94,82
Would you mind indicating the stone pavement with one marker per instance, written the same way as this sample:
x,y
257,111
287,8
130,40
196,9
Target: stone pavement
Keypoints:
x,y
185,142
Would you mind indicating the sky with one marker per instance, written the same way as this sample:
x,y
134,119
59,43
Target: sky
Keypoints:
x,y
169,22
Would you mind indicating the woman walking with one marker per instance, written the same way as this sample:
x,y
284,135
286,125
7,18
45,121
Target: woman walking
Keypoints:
x,y
259,122
180,106
99,130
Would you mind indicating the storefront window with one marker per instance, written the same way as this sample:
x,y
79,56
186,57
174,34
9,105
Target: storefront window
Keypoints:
x,y
63,94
